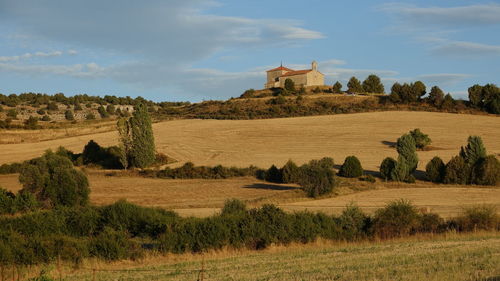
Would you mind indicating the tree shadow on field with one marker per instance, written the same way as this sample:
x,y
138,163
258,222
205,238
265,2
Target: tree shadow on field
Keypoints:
x,y
389,143
270,186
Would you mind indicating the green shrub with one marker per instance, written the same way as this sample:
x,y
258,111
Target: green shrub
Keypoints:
x,y
316,180
7,200
12,113
398,218
31,123
68,114
481,217
102,112
456,171
386,168
325,162
233,207
54,181
90,116
401,170
351,168
10,168
52,106
430,222
290,172
273,174
45,118
407,150
111,245
487,171
354,223
421,140
473,151
435,170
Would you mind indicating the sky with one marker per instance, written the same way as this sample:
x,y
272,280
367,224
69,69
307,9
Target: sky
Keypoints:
x,y
195,50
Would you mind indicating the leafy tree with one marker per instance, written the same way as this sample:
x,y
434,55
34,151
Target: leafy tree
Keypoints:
x,y
395,93
372,84
110,109
487,171
421,140
69,115
386,168
419,89
137,139
456,171
473,151
289,85
436,96
406,148
273,174
316,180
337,88
351,168
290,172
401,171
448,102
54,181
102,111
435,170
475,95
354,85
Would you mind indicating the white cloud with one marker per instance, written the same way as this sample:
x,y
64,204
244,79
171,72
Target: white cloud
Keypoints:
x,y
462,48
30,55
479,14
90,70
443,79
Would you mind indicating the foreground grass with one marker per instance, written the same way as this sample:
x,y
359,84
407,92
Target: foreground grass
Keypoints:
x,y
443,257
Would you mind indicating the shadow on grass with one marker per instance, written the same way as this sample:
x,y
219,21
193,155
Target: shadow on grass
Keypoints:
x,y
389,143
270,186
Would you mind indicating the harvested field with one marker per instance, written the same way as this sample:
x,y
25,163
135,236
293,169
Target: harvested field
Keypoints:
x,y
273,141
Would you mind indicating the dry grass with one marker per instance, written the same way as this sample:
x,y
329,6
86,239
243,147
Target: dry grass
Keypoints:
x,y
473,256
274,141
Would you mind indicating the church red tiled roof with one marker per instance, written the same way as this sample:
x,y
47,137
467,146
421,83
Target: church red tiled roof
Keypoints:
x,y
280,68
296,72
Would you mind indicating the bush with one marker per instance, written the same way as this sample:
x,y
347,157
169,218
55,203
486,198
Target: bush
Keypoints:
x,y
316,180
481,217
111,245
31,123
45,118
233,207
54,181
354,223
325,162
68,114
435,170
52,106
12,113
290,172
474,151
456,171
430,223
401,170
273,174
386,168
289,85
10,168
399,218
102,112
407,150
351,168
486,171
90,116
421,140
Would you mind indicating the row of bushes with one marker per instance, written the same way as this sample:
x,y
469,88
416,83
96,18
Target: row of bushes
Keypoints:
x,y
190,171
123,230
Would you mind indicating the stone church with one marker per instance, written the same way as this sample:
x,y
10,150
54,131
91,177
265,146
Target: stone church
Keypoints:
x,y
307,77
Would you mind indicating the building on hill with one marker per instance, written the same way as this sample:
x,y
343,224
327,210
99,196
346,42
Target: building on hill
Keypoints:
x,y
307,77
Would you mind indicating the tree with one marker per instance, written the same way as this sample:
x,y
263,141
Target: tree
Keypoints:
x,y
31,123
337,88
386,168
137,139
418,89
102,111
401,171
421,140
456,171
436,96
407,150
473,151
448,102
475,95
397,219
395,90
110,109
372,84
69,115
289,85
351,168
487,171
54,181
435,169
316,180
290,172
273,174
354,85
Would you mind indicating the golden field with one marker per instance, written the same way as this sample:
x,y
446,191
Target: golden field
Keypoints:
x,y
273,141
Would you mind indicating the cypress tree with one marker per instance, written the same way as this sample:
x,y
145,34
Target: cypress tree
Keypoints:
x,y
354,85
406,148
474,150
142,152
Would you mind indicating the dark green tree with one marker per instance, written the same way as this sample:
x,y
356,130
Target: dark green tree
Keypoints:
x,y
351,168
386,168
68,114
456,171
372,84
436,96
273,174
421,140
419,89
475,95
448,102
290,172
316,180
140,139
406,148
354,86
435,170
487,171
473,151
337,88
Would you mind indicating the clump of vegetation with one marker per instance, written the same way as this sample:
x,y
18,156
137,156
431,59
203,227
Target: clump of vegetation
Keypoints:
x,y
54,181
386,168
31,123
421,140
435,170
405,166
290,172
68,114
316,180
337,88
398,218
372,84
354,86
480,217
190,171
485,97
351,168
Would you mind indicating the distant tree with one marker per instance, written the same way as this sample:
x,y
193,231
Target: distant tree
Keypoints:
x,y
448,102
354,85
456,171
31,123
289,85
406,148
90,116
372,84
290,172
54,181
351,168
421,140
394,96
436,96
68,114
435,169
102,111
45,118
386,168
475,95
487,171
52,106
337,88
419,89
12,113
250,93
78,107
316,180
401,171
273,174
110,109
137,139
473,151
233,207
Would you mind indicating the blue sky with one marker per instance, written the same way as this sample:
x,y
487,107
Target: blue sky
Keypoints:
x,y
197,50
